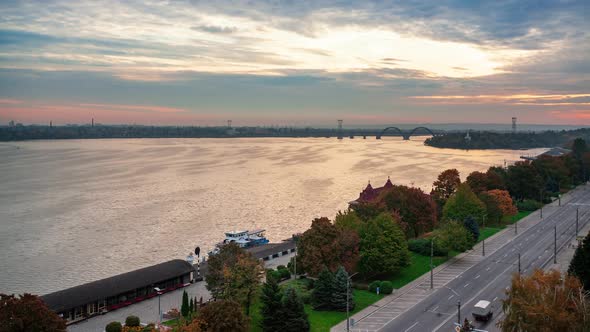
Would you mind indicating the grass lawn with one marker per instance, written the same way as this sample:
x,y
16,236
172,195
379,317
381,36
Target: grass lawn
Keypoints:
x,y
420,265
518,216
485,233
171,322
320,321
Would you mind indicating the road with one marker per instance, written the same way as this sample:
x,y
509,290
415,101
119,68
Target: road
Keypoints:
x,y
490,277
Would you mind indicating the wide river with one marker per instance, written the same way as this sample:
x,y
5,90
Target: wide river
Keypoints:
x,y
75,211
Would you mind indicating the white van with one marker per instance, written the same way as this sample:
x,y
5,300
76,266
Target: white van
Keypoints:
x,y
483,310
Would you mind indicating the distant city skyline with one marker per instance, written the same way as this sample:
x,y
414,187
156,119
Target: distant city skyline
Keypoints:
x,y
302,64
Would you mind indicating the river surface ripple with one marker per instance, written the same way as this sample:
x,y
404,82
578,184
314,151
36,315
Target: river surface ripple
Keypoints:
x,y
75,211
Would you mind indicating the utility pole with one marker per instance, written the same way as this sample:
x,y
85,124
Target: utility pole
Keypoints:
x,y
347,302
541,212
519,264
459,312
555,244
484,220
516,227
483,247
431,265
577,214
559,197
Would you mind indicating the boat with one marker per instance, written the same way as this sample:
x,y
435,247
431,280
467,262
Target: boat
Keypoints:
x,y
244,239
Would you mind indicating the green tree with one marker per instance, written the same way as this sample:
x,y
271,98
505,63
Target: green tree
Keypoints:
x,y
191,306
348,220
580,264
472,226
28,313
233,274
132,321
340,291
462,204
383,246
524,181
184,307
321,296
223,316
272,308
294,316
113,327
454,236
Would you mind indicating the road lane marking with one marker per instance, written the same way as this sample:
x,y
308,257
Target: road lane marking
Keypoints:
x,y
495,298
434,309
409,328
450,297
467,284
477,276
488,269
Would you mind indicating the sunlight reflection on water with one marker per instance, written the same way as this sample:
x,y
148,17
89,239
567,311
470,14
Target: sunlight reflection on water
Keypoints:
x,y
80,210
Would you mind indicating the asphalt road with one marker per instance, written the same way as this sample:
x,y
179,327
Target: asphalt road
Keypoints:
x,y
488,279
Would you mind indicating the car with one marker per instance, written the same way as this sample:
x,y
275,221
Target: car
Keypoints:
x,y
483,310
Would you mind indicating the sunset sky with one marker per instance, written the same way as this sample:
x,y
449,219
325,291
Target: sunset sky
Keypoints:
x,y
295,62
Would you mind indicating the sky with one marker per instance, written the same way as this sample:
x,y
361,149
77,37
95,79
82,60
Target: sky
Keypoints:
x,y
295,63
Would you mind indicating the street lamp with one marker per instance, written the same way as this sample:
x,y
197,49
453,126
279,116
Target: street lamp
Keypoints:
x,y
348,301
159,291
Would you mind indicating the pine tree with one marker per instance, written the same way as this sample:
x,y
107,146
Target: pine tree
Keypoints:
x,y
321,297
339,295
191,306
580,265
295,318
184,307
472,227
271,310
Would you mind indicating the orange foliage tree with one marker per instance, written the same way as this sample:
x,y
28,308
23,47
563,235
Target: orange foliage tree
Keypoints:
x,y
545,302
324,245
504,201
28,313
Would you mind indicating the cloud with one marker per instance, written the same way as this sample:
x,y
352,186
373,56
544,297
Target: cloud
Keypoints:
x,y
215,29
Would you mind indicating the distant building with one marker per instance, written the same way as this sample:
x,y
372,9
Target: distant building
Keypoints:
x,y
370,194
11,123
554,152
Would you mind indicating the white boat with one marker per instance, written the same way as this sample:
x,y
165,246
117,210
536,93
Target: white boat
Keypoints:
x,y
244,239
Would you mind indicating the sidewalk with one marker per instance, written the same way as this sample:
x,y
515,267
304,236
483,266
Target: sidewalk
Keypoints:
x,y
376,316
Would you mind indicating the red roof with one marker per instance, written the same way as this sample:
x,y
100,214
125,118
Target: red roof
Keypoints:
x,y
370,193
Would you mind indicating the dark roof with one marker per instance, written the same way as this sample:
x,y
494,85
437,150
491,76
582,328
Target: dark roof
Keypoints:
x,y
122,283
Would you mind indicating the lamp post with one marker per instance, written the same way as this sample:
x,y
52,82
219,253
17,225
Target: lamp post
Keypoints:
x,y
431,265
159,291
348,301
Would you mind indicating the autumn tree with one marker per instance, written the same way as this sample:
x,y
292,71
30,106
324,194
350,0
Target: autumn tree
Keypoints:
x,y
223,316
28,313
383,246
327,246
294,316
462,204
233,274
417,210
271,308
580,264
478,182
524,181
545,302
493,210
504,201
348,220
446,184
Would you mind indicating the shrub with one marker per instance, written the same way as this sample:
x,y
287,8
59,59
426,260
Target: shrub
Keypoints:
x,y
114,327
273,274
284,273
422,247
132,321
528,205
281,267
306,297
386,287
373,286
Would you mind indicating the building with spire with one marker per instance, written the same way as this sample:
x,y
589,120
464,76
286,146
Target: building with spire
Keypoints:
x,y
370,194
